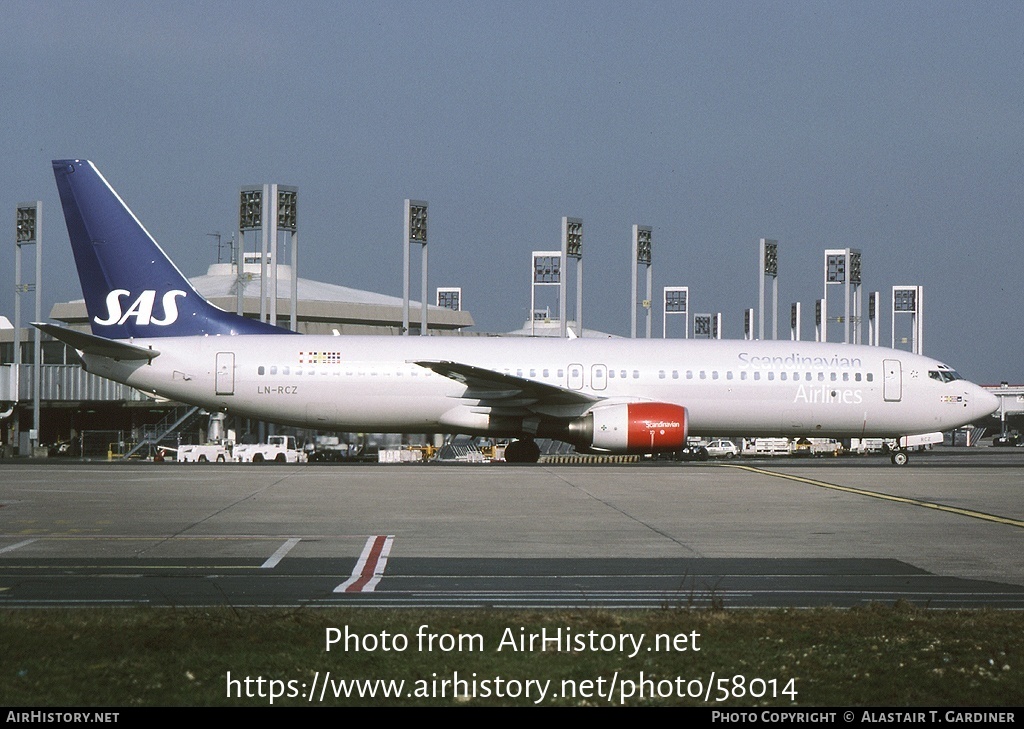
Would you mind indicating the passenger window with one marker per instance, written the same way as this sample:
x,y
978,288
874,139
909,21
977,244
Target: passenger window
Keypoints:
x,y
259,370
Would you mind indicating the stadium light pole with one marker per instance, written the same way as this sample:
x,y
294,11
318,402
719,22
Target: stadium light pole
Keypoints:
x,y
675,301
769,267
641,240
909,300
546,270
415,232
29,232
572,247
843,268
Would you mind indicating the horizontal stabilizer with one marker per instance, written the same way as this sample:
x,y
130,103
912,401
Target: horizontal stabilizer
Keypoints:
x,y
91,344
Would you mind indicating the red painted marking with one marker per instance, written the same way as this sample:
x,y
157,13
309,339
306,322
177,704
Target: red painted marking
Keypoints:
x,y
370,567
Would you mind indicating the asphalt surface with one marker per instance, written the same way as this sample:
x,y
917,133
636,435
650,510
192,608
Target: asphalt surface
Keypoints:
x,y
945,531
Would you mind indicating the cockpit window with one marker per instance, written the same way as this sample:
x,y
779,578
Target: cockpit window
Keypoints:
x,y
945,375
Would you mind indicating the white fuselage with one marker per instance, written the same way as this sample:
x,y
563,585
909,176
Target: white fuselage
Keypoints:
x,y
728,387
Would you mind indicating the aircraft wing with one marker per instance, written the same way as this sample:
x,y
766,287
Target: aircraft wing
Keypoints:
x,y
91,344
505,390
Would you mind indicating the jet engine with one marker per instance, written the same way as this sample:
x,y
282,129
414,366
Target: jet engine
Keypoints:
x,y
636,427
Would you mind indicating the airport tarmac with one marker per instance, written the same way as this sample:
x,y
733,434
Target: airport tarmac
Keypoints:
x,y
945,531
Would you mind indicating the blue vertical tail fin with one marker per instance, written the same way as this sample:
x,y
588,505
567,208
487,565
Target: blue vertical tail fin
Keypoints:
x,y
132,289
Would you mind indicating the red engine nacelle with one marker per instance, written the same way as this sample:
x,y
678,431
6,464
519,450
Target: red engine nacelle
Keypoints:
x,y
637,427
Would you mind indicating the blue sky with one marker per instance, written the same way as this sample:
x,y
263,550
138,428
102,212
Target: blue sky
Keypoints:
x,y
895,128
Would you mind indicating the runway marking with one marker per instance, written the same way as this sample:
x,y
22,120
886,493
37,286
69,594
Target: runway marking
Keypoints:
x,y
279,554
19,545
887,497
370,567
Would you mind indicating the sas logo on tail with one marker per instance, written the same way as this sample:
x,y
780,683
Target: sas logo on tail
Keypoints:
x,y
141,308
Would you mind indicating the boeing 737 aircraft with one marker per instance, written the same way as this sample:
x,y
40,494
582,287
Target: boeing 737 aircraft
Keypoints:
x,y
153,331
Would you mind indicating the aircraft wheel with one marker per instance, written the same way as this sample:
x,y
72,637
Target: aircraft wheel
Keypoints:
x,y
522,451
900,458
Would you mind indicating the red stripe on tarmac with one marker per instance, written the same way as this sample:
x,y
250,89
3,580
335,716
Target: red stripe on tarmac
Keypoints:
x,y
370,567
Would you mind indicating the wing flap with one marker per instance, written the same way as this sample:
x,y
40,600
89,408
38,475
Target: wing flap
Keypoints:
x,y
492,386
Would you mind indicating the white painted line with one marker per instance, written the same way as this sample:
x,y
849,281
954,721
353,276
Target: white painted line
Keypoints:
x,y
280,554
370,567
19,545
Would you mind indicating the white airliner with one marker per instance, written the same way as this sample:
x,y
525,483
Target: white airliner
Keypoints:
x,y
153,331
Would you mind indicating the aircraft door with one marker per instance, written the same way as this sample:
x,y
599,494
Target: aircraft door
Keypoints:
x,y
892,382
575,376
225,373
599,377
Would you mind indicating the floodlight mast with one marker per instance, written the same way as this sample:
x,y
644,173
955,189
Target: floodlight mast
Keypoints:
x,y
28,231
450,297
250,217
769,267
874,309
707,326
641,240
415,232
269,209
572,247
287,220
675,301
909,300
843,268
546,270
794,321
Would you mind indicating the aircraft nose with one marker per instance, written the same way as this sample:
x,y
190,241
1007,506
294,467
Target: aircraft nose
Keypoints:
x,y
985,403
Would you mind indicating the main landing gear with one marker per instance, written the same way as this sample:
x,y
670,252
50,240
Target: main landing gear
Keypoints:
x,y
522,451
